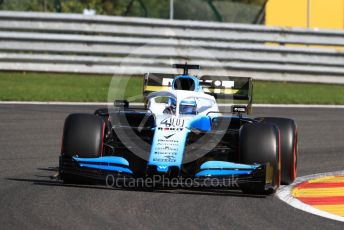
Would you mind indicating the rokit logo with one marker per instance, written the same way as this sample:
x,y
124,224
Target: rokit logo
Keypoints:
x,y
171,129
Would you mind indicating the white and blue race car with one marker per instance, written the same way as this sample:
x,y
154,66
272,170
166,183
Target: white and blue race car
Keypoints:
x,y
182,136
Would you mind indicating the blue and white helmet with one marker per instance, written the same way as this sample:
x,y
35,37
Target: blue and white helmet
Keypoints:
x,y
188,106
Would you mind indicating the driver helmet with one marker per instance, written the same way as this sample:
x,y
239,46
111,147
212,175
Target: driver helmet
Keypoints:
x,y
188,107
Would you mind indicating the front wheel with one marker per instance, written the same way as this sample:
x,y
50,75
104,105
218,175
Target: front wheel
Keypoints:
x,y
260,144
83,136
288,131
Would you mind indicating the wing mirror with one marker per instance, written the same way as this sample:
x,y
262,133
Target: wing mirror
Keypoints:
x,y
202,123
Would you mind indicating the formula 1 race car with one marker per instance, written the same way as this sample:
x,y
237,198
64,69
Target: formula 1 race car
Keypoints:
x,y
180,134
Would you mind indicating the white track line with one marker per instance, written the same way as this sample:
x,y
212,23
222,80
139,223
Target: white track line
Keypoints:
x,y
284,194
299,106
51,103
138,104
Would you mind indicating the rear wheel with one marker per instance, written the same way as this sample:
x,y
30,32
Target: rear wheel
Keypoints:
x,y
259,143
288,131
83,136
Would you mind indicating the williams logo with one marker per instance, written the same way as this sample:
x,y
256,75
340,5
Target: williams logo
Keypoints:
x,y
162,167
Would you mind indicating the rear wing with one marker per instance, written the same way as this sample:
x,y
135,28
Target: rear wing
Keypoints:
x,y
240,88
154,82
231,90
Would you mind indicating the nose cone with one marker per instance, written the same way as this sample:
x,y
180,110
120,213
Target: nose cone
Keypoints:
x,y
159,172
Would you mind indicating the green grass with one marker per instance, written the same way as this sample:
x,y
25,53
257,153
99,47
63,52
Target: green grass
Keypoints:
x,y
58,87
297,93
90,88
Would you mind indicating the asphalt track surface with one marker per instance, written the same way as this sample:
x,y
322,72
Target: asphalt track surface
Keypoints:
x,y
30,144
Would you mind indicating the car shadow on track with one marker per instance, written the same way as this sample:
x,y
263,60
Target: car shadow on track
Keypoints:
x,y
49,180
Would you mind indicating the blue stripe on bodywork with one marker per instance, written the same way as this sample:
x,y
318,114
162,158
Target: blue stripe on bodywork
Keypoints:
x,y
222,172
224,168
107,167
202,123
226,165
106,159
100,163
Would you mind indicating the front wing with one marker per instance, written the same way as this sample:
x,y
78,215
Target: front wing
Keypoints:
x,y
210,174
